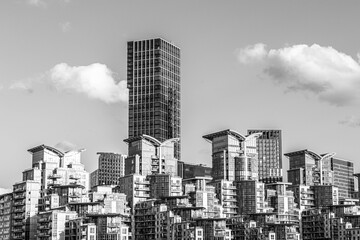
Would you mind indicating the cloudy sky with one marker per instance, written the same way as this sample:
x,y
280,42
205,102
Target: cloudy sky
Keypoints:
x,y
289,65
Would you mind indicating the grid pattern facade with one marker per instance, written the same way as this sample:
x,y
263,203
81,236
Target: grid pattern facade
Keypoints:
x,y
111,168
5,215
153,77
250,196
343,178
269,150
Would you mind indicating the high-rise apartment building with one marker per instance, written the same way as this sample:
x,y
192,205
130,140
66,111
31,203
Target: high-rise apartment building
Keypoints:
x,y
49,163
153,78
148,156
309,168
164,185
6,209
234,156
135,187
25,208
250,197
343,176
111,167
269,150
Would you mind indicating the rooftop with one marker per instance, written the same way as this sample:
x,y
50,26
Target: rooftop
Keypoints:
x,y
230,132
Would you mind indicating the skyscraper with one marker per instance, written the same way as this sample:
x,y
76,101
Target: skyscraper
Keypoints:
x,y
153,78
269,154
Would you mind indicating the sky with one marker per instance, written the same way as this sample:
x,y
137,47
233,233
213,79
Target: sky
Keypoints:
x,y
289,65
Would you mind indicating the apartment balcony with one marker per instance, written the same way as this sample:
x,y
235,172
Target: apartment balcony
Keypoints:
x,y
54,184
307,192
17,236
141,195
229,193
142,182
44,226
229,187
231,199
20,223
19,216
19,196
75,177
17,230
19,203
19,190
43,220
19,210
229,211
307,198
44,234
44,203
113,225
74,195
140,188
229,206
177,189
54,176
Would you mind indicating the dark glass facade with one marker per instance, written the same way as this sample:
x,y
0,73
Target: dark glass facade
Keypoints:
x,y
111,168
343,175
153,78
269,149
193,170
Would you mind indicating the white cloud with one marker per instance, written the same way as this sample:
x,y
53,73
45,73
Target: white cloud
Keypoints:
x,y
351,121
255,52
65,146
23,85
36,3
332,75
95,80
43,3
65,27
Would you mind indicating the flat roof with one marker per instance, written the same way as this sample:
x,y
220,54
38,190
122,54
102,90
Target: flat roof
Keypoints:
x,y
140,40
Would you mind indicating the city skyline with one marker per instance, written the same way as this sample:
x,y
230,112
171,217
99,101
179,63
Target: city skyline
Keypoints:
x,y
49,48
